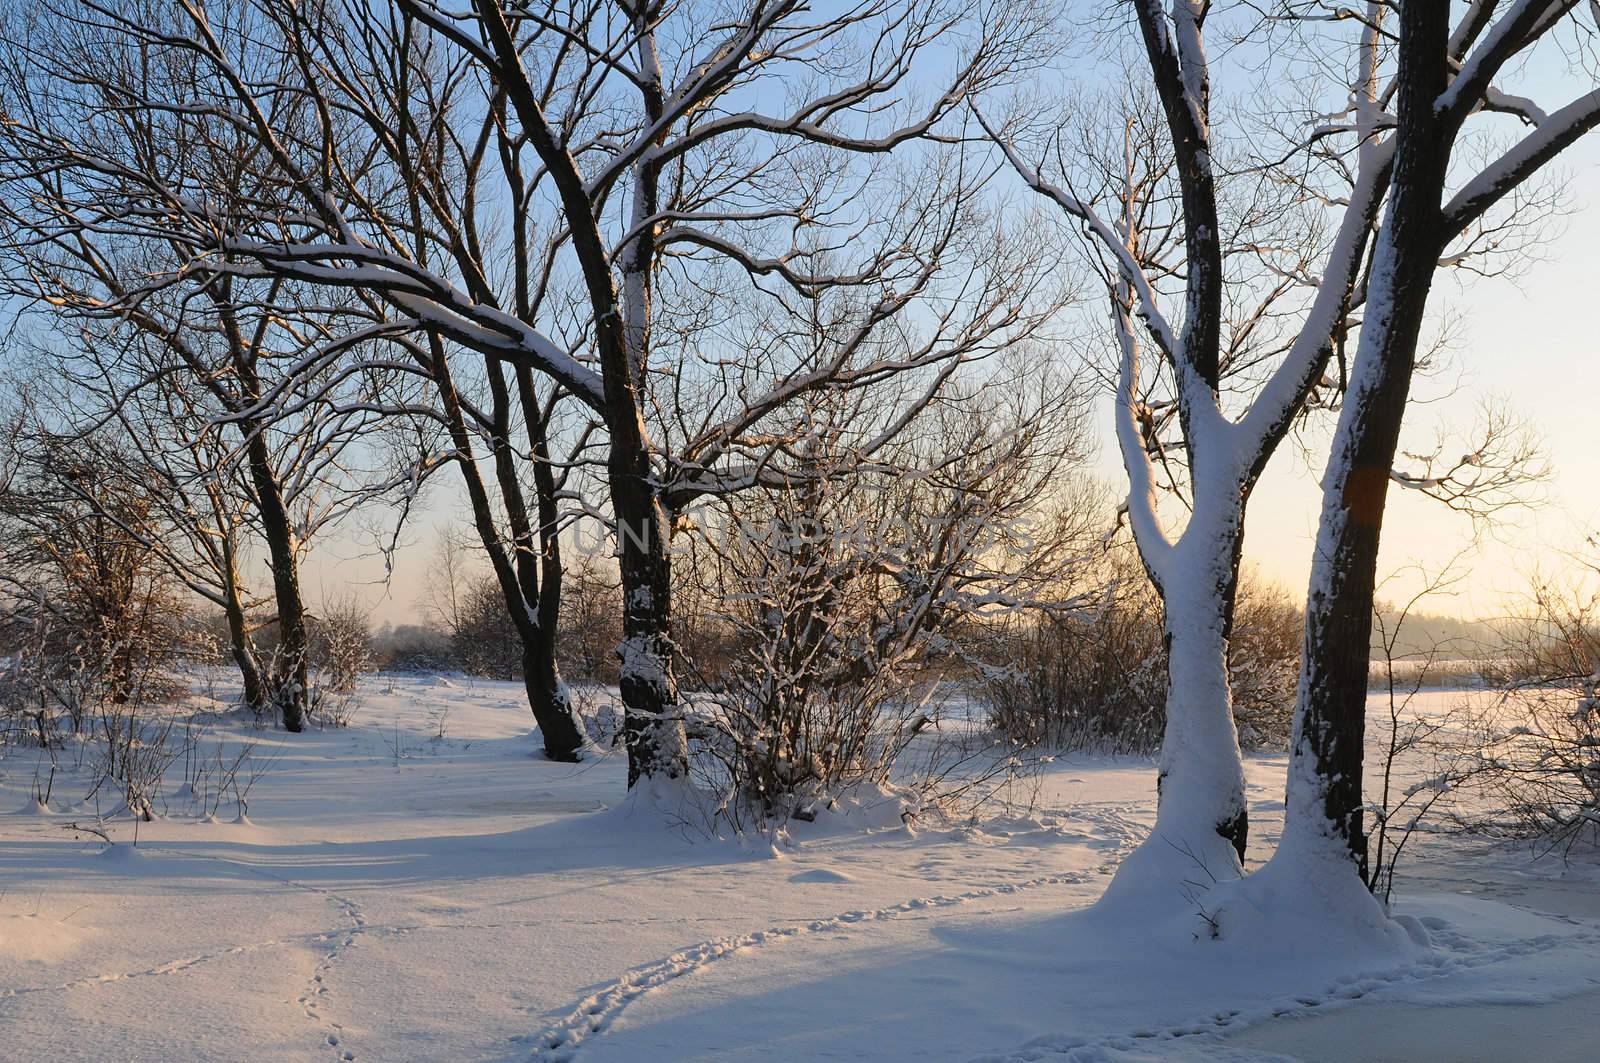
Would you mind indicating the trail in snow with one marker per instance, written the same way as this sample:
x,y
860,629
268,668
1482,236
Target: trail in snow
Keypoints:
x,y
314,1000
560,1041
170,967
1340,993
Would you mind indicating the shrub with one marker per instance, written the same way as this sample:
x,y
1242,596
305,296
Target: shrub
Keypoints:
x,y
1541,758
341,644
837,607
1096,678
485,642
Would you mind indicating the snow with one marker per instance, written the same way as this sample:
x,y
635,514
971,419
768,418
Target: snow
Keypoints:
x,y
394,895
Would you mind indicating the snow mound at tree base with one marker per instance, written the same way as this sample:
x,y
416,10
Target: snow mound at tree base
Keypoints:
x,y
1305,904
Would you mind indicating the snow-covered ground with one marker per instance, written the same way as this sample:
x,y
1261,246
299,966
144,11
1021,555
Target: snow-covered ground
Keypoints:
x,y
396,895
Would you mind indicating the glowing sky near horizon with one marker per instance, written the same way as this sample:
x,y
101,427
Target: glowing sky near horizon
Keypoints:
x,y
1530,342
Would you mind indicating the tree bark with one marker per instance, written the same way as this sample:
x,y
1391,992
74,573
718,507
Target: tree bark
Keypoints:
x,y
1325,788
291,679
652,725
244,654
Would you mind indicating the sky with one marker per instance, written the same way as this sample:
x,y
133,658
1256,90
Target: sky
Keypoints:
x,y
1530,342
1527,342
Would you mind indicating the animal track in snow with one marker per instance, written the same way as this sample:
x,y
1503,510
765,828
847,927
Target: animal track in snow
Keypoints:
x,y
561,1040
1342,992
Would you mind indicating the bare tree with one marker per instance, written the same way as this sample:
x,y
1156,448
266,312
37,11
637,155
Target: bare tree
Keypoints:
x,y
1445,75
1244,267
625,141
1202,277
148,329
197,515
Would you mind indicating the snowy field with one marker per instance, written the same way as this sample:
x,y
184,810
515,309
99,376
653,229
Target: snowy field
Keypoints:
x,y
395,894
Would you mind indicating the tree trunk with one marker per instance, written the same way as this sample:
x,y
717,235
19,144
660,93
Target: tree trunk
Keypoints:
x,y
120,677
1325,772
651,723
547,699
551,575
1201,774
291,678
542,679
244,654
1202,821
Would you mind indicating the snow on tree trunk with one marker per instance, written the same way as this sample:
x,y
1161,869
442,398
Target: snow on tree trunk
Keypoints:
x,y
1325,770
652,723
1201,819
1201,775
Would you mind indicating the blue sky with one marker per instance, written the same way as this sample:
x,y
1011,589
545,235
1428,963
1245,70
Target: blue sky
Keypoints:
x,y
1526,342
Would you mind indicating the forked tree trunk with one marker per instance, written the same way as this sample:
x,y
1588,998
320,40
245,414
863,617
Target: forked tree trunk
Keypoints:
x,y
547,695
550,690
652,727
519,587
1202,821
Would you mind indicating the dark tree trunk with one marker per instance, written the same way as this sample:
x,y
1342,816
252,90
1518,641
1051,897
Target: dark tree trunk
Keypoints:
x,y
621,334
649,687
291,676
517,579
551,574
290,682
542,679
244,653
1330,728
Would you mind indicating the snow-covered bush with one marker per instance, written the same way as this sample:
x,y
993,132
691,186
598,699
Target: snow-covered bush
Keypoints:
x,y
47,688
89,615
818,692
1542,759
134,754
341,644
844,605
